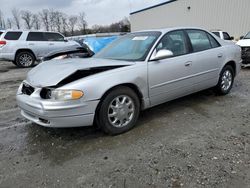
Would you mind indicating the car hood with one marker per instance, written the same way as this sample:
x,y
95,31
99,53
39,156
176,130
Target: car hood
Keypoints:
x,y
244,43
52,72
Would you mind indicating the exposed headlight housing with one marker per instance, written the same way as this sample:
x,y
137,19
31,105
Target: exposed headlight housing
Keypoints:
x,y
64,95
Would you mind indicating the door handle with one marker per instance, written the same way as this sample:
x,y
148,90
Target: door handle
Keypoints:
x,y
220,55
31,44
188,64
51,44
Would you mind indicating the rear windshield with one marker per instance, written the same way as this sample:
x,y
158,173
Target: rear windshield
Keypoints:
x,y
12,35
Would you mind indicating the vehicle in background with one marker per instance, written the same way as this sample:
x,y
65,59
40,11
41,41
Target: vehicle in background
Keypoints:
x,y
69,52
23,48
244,43
223,35
137,71
96,42
89,46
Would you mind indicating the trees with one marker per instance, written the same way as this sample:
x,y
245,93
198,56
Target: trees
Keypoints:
x,y
72,23
16,18
36,22
27,18
54,20
44,15
2,21
82,22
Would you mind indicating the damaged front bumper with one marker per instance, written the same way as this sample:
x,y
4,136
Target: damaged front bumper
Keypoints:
x,y
57,114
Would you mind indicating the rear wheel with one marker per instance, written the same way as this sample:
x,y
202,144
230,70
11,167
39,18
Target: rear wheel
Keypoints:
x,y
118,111
25,59
226,81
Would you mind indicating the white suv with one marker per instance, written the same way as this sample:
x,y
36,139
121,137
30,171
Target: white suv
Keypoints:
x,y
23,48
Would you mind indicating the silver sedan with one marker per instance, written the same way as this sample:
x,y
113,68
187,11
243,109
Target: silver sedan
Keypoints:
x,y
137,71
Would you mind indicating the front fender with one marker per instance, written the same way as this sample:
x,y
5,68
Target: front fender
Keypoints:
x,y
95,86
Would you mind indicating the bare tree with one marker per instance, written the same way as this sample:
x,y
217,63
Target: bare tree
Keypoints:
x,y
52,19
58,20
36,21
44,15
2,21
16,18
9,23
64,24
27,18
82,22
72,23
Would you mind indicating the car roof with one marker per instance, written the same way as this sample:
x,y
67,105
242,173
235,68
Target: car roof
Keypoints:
x,y
165,30
19,30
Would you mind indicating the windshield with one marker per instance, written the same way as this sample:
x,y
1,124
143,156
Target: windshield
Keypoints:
x,y
131,47
247,36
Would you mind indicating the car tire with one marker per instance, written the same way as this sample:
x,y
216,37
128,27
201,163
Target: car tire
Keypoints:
x,y
118,111
25,59
226,81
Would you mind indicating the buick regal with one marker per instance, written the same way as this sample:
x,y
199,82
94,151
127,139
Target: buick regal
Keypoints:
x,y
138,71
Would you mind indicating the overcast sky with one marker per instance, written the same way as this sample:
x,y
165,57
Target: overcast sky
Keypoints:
x,y
97,11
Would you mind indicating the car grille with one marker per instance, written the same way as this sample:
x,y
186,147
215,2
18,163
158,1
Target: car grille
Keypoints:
x,y
27,89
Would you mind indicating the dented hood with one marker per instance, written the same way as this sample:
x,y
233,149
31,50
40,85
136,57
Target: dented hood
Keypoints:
x,y
52,72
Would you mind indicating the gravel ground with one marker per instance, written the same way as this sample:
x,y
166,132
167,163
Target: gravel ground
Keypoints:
x,y
200,140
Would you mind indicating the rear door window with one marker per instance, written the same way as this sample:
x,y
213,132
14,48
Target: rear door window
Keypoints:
x,y
56,37
217,34
12,35
1,33
199,40
226,36
36,36
214,43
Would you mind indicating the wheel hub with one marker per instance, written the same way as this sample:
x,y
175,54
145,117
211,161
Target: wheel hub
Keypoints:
x,y
226,80
121,111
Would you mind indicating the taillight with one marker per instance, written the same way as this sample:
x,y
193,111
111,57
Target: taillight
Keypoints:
x,y
2,43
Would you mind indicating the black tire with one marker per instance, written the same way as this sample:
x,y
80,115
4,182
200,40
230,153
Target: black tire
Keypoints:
x,y
104,121
220,89
30,59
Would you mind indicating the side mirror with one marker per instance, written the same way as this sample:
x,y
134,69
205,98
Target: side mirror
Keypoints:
x,y
232,38
161,54
242,37
66,40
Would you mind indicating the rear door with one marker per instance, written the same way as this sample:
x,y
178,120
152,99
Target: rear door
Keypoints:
x,y
207,55
38,44
170,78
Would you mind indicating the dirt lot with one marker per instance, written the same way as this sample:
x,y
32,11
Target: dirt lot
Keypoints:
x,y
201,140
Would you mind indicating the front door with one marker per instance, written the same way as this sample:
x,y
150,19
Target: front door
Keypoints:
x,y
170,78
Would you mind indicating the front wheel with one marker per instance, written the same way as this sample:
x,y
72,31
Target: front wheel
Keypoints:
x,y
118,111
226,81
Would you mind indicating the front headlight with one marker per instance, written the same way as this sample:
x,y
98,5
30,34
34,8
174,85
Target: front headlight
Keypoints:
x,y
64,95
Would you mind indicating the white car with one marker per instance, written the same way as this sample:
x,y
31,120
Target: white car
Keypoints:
x,y
223,35
244,43
23,48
